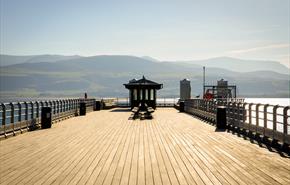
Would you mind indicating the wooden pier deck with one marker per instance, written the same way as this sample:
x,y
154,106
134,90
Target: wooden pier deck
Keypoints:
x,y
105,147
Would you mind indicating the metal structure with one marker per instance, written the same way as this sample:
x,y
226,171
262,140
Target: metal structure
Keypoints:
x,y
185,89
220,91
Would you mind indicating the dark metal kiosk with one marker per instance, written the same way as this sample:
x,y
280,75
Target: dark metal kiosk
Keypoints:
x,y
142,92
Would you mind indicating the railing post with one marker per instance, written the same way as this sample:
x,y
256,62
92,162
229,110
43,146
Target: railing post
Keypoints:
x,y
234,113
26,114
37,109
285,123
12,117
239,117
70,104
32,110
73,104
4,117
250,113
67,104
41,104
19,112
265,117
50,105
257,115
63,105
54,107
244,114
275,117
59,107
26,110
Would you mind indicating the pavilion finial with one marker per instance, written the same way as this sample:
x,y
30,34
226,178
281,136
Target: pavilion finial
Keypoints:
x,y
144,77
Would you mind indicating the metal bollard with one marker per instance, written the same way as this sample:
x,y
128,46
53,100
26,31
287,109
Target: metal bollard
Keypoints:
x,y
83,108
181,106
46,117
221,117
97,106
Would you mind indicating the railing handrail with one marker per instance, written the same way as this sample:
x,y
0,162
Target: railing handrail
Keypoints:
x,y
265,119
16,116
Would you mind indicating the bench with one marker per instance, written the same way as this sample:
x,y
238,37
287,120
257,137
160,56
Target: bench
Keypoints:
x,y
144,112
136,111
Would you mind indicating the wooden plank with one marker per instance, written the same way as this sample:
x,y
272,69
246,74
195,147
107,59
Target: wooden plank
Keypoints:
x,y
126,169
105,147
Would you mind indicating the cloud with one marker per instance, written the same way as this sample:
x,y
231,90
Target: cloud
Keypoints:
x,y
273,46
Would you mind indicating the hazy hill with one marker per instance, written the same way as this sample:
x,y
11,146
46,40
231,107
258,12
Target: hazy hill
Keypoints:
x,y
6,60
105,76
239,65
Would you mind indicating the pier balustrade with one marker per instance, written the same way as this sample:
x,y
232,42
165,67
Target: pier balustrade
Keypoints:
x,y
21,116
268,121
125,102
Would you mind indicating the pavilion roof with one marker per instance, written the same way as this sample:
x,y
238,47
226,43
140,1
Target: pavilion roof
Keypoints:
x,y
143,82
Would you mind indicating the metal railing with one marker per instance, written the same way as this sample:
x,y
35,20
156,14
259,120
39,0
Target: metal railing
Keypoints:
x,y
19,116
125,102
272,121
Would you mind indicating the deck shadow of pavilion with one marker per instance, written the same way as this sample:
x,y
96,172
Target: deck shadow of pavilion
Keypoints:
x,y
121,110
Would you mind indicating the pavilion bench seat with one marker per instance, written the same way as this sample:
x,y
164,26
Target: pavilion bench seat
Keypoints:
x,y
136,111
150,109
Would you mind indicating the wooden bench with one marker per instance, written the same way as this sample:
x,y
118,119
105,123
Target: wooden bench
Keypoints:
x,y
136,111
144,113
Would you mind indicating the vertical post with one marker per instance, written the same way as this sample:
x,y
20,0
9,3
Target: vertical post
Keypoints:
x,y
57,102
275,117
12,117
26,110
69,104
154,96
40,107
285,121
75,104
32,110
4,117
235,91
257,114
63,105
250,113
37,109
26,114
19,112
239,113
244,114
60,106
54,107
203,81
265,117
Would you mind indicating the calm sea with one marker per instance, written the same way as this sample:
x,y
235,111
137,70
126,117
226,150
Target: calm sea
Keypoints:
x,y
271,101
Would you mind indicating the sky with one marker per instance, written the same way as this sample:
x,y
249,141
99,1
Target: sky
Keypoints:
x,y
162,29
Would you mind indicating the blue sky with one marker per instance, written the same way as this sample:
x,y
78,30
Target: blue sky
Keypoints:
x,y
163,29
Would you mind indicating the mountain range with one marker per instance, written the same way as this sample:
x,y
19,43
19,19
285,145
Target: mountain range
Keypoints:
x,y
103,75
